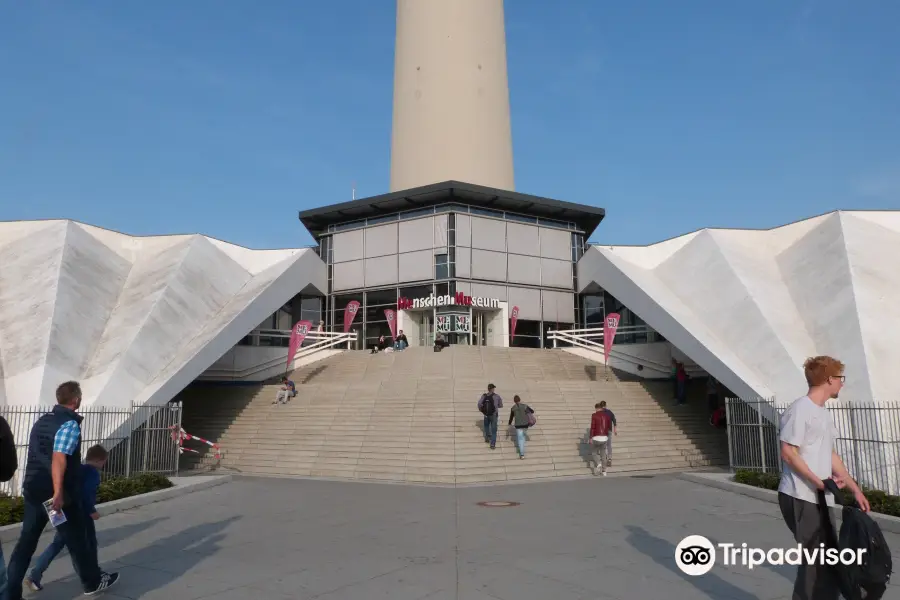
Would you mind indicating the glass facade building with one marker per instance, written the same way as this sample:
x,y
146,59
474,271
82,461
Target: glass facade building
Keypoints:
x,y
457,241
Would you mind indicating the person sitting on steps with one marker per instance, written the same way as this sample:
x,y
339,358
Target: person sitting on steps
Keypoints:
x,y
288,390
381,345
440,343
401,343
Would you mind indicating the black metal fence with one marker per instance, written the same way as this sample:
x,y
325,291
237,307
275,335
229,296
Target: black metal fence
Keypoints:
x,y
868,438
138,439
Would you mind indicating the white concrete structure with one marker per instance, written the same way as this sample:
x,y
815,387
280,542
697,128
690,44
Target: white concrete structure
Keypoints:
x,y
451,95
134,319
750,306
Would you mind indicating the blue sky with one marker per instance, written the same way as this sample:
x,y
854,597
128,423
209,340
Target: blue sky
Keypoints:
x,y
227,118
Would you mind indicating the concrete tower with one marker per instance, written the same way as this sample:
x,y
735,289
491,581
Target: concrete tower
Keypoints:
x,y
451,96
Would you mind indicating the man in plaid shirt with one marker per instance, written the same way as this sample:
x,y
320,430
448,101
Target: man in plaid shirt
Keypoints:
x,y
53,472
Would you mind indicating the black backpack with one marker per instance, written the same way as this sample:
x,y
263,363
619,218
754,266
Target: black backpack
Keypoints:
x,y
487,407
859,531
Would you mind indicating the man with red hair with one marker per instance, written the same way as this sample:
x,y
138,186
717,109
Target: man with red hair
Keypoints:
x,y
808,458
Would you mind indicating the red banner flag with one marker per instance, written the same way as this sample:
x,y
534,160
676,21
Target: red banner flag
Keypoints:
x,y
609,333
298,333
392,321
350,314
513,319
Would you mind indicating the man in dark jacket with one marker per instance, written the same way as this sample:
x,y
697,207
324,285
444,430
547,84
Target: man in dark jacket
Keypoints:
x,y
53,472
9,462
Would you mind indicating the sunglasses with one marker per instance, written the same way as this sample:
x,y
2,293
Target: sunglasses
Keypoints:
x,y
843,378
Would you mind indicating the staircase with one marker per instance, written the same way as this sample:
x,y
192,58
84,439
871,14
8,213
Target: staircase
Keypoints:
x,y
411,416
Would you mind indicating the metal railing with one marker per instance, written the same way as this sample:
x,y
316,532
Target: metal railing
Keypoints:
x,y
868,438
592,339
138,439
315,341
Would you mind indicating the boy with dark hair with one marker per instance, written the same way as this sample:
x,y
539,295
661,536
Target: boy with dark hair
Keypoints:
x,y
94,461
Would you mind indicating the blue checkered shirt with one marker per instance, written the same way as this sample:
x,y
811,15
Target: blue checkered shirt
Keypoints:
x,y
67,438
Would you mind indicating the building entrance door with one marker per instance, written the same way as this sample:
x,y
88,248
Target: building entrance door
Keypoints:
x,y
454,326
426,328
478,333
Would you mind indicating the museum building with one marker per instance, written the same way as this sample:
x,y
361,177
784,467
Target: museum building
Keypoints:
x,y
455,259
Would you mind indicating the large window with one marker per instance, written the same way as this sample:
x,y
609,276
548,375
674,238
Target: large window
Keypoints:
x,y
418,291
441,266
308,308
339,305
593,310
632,329
376,323
528,334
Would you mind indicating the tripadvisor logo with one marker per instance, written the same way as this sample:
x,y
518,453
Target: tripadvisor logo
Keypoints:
x,y
695,555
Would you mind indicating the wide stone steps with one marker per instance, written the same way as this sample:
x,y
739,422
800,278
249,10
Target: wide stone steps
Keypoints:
x,y
412,417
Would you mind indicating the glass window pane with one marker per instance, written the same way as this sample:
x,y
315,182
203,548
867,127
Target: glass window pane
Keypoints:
x,y
522,218
460,208
374,331
412,214
351,225
381,297
341,302
486,212
384,219
375,314
419,291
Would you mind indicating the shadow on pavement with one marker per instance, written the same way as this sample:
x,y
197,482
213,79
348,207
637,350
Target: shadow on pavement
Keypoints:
x,y
108,537
663,553
166,560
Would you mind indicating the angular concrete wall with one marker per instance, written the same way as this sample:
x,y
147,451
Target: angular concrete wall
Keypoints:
x,y
134,319
750,306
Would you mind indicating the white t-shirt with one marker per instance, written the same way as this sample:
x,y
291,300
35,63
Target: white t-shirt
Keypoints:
x,y
808,426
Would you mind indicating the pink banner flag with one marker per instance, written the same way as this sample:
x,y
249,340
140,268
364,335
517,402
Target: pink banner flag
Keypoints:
x,y
513,319
350,314
609,333
298,333
392,321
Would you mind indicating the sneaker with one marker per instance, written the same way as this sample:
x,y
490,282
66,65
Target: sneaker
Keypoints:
x,y
107,580
604,473
493,446
34,586
609,463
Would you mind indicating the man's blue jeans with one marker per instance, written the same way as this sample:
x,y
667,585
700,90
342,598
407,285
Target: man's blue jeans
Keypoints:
x,y
401,345
520,439
58,545
74,533
490,428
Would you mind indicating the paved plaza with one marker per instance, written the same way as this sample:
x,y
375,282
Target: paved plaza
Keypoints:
x,y
591,539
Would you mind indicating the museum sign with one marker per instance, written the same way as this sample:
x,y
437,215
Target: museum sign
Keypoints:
x,y
459,299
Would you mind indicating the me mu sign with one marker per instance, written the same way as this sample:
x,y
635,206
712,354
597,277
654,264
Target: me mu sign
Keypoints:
x,y
459,299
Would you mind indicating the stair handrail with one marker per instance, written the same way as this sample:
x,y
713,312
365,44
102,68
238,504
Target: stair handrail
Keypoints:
x,y
322,340
583,338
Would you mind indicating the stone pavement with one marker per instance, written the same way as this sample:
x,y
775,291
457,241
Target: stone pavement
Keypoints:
x,y
274,539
